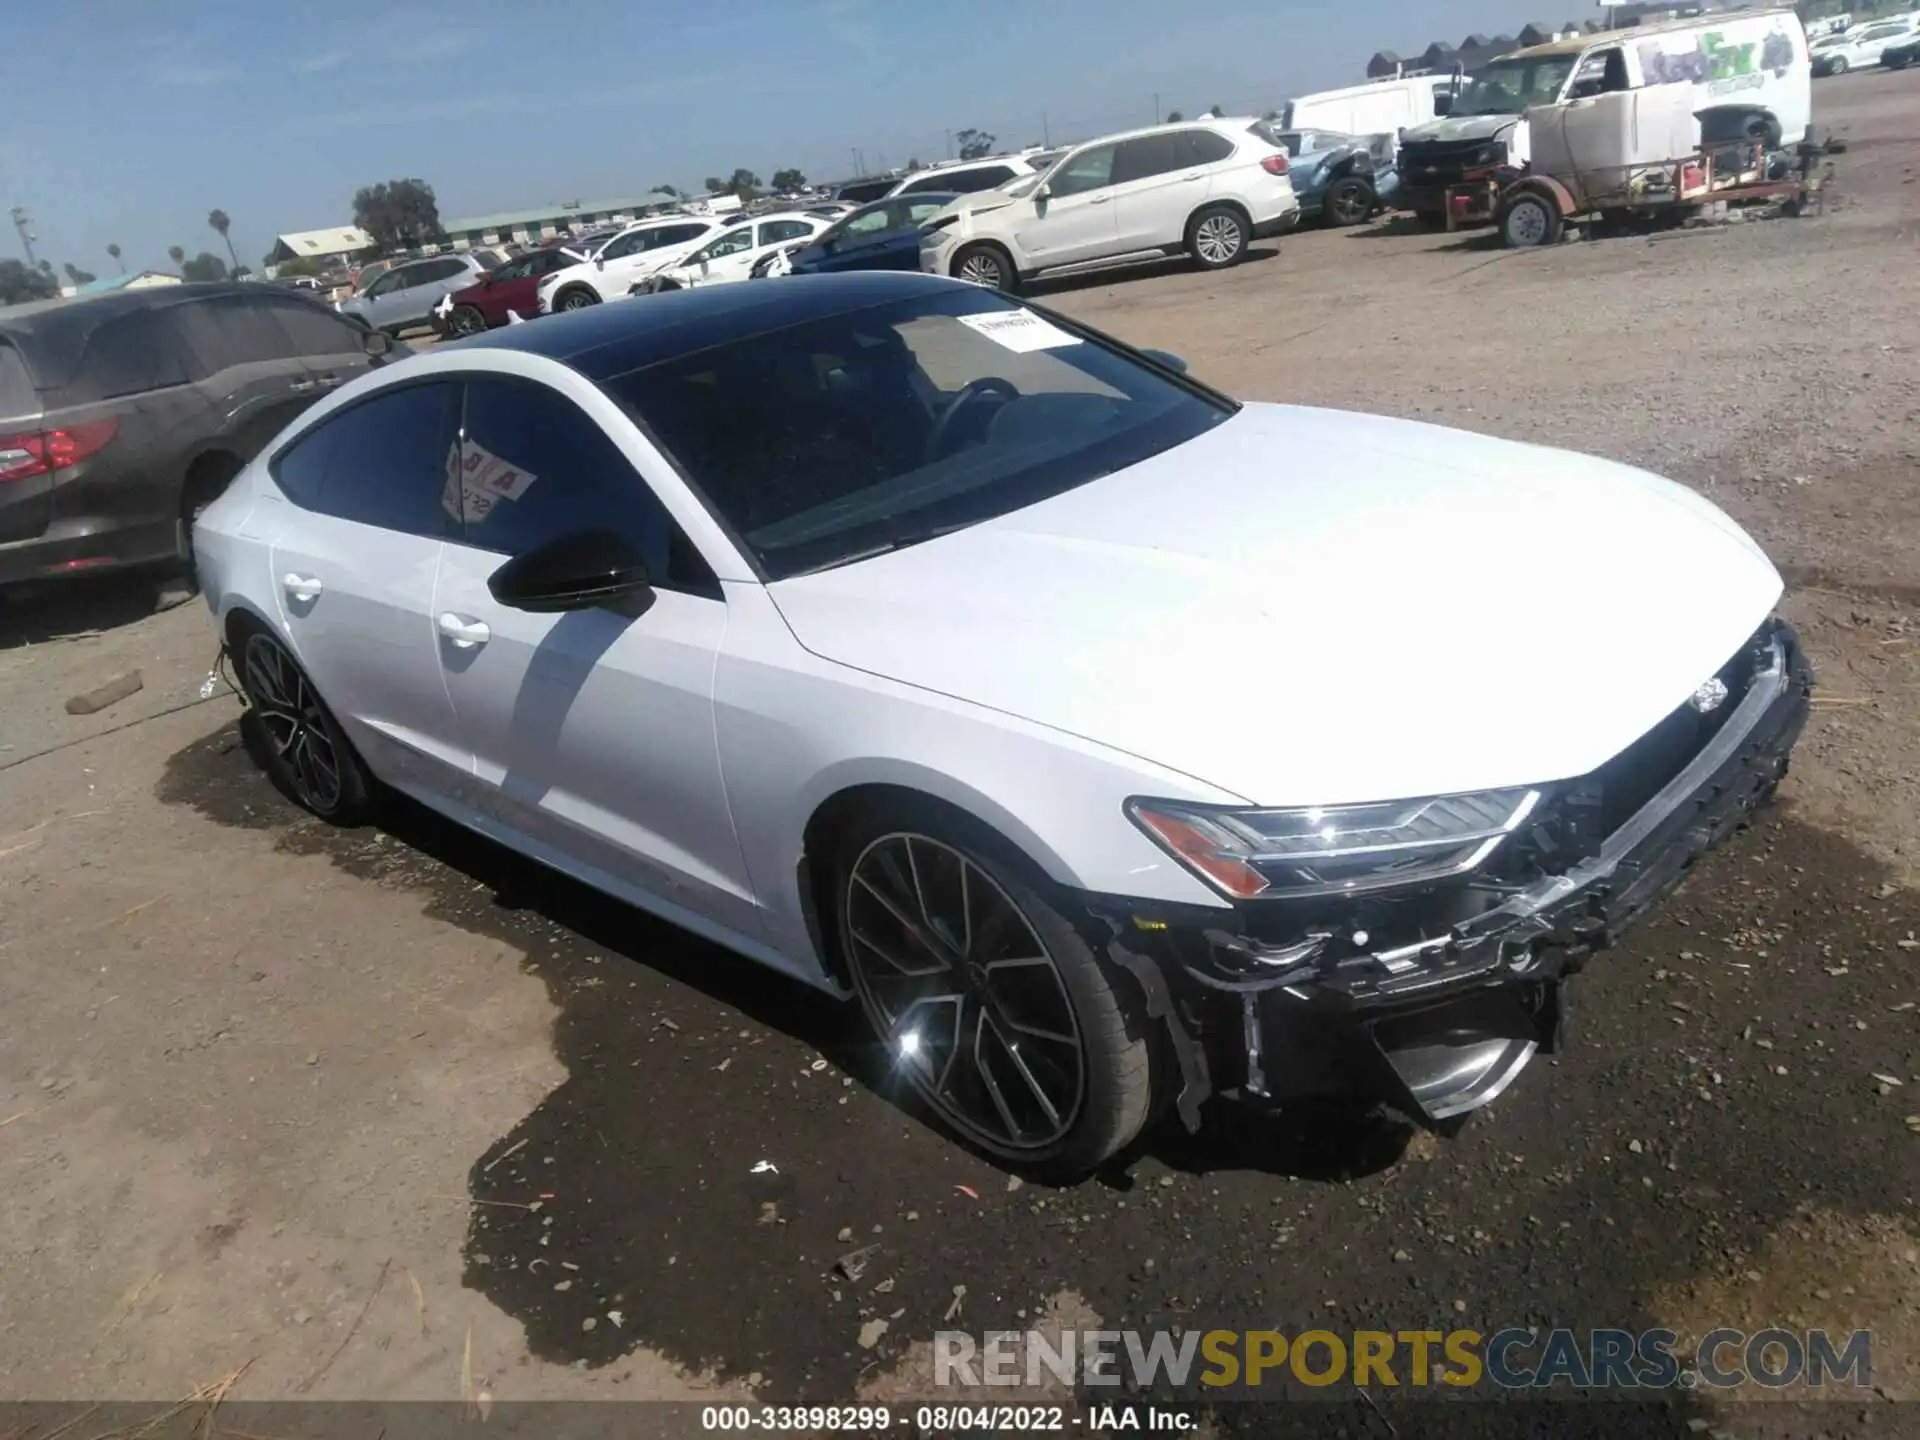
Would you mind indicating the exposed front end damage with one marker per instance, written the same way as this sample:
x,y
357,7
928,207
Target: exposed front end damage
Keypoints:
x,y
1433,1002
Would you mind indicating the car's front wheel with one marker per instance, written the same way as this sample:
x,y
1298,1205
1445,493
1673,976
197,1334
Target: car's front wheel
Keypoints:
x,y
986,266
299,743
466,320
985,996
1837,66
578,298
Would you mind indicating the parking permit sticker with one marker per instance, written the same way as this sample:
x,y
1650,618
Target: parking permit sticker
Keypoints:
x,y
478,479
1020,331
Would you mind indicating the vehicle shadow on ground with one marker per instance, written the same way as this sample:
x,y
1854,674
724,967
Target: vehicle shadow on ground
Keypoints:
x,y
74,609
1174,265
711,1188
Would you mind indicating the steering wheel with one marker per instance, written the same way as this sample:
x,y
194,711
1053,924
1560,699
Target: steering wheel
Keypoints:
x,y
970,392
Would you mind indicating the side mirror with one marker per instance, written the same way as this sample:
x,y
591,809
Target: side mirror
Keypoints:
x,y
1043,192
573,572
377,343
1168,359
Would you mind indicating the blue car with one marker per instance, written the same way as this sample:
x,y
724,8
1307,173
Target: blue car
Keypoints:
x,y
1341,179
884,235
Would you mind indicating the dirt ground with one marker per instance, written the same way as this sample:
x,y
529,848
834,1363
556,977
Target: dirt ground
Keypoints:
x,y
387,1115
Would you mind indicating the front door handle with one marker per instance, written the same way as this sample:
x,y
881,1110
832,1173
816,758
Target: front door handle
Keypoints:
x,y
329,381
1196,175
301,387
301,587
465,633
1098,199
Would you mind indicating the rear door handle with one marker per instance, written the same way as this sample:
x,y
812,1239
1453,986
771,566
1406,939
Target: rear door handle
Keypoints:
x,y
329,381
465,633
301,587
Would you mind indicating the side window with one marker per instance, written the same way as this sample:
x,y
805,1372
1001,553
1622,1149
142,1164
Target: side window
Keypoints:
x,y
622,246
127,355
967,182
866,227
1089,170
443,270
921,210
1148,156
682,234
514,269
774,231
382,462
312,329
230,330
1204,147
732,243
533,467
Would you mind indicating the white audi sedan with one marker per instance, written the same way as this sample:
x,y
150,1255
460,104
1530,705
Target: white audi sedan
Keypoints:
x,y
1114,743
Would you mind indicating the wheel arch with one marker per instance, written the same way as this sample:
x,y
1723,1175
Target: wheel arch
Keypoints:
x,y
1224,202
1548,188
217,461
854,789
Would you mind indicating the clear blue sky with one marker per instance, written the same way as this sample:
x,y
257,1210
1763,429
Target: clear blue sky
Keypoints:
x,y
129,120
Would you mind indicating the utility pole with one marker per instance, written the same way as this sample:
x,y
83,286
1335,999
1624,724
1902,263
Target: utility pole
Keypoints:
x,y
1156,107
1046,135
23,222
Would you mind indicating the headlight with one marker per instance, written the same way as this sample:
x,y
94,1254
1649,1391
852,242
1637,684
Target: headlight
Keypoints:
x,y
1336,849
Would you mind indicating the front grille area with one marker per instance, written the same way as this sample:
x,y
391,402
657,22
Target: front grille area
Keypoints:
x,y
1435,163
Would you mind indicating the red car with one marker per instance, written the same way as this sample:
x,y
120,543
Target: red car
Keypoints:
x,y
485,303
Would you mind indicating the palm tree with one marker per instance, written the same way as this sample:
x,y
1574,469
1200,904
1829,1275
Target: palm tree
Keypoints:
x,y
219,221
114,251
177,254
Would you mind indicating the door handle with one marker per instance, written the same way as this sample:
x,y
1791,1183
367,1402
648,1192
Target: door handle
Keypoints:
x,y
300,387
464,633
1098,199
1196,175
329,381
301,587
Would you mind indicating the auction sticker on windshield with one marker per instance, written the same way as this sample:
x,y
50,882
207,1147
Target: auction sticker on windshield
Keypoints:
x,y
1020,331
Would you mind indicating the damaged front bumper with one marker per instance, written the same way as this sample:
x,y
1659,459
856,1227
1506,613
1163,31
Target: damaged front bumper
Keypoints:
x,y
1439,1024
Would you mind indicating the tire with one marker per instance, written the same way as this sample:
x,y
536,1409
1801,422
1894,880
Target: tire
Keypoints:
x,y
577,298
1217,237
1081,1089
465,320
1838,65
987,266
1347,202
1529,219
294,735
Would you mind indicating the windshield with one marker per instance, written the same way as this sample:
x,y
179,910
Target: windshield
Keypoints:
x,y
1508,87
878,428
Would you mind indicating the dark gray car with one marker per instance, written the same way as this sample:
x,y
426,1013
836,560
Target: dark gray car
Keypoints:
x,y
122,415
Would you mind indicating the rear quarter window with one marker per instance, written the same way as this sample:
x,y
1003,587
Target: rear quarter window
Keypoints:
x,y
130,354
18,396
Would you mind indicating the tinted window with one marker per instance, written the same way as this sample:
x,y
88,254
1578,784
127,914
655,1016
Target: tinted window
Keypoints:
x,y
865,190
775,231
127,355
1205,147
874,428
679,234
964,182
229,331
442,270
382,462
312,329
17,395
1089,170
1148,156
535,467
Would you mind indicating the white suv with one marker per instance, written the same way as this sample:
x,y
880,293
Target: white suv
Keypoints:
x,y
629,257
1205,188
965,177
732,254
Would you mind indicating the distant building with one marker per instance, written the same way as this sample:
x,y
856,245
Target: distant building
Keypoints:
x,y
548,222
335,244
138,280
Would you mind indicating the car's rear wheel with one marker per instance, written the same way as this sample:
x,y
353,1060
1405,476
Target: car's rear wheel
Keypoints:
x,y
1530,219
985,996
578,298
986,266
1349,202
1838,65
466,320
1217,237
301,745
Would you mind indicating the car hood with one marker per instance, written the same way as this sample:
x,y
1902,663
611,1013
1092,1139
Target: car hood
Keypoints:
x,y
1315,607
1460,127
